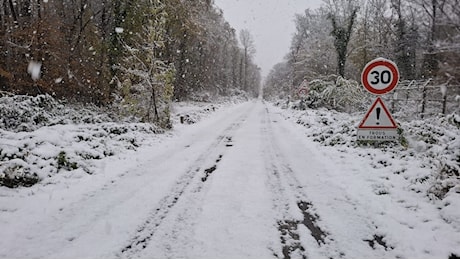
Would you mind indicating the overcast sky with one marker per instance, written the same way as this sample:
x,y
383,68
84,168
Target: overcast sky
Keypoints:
x,y
271,23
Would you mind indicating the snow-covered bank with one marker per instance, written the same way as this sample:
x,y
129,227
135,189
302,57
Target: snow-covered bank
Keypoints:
x,y
422,170
433,141
41,138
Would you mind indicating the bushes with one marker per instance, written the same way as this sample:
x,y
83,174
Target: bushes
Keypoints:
x,y
334,92
15,172
27,113
64,163
41,137
337,93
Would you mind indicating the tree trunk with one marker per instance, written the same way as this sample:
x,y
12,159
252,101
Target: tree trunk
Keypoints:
x,y
430,62
341,38
13,12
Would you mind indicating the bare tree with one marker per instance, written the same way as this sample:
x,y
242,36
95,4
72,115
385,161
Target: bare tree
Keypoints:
x,y
405,39
342,19
248,52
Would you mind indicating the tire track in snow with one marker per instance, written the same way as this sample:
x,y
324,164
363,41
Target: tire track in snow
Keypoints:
x,y
188,187
295,211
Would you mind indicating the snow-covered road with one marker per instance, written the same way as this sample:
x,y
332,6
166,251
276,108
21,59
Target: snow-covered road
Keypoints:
x,y
243,183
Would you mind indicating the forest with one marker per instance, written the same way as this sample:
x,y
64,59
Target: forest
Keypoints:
x,y
421,36
136,56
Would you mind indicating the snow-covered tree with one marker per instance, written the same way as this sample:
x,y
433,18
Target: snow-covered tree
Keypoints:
x,y
421,36
275,85
312,52
406,37
147,79
248,51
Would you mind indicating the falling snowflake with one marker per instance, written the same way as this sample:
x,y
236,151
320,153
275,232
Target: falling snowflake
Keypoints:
x,y
34,69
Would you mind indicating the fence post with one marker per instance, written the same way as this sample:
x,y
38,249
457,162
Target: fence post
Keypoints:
x,y
444,104
444,95
424,98
423,102
393,101
408,90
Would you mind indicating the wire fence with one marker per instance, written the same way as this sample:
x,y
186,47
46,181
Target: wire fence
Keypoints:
x,y
423,98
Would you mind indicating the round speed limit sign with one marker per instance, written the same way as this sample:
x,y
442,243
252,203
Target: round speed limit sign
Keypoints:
x,y
380,76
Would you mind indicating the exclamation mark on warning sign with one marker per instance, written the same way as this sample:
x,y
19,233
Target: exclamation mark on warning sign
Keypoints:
x,y
378,115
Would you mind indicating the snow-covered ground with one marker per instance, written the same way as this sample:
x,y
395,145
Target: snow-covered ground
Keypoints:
x,y
245,180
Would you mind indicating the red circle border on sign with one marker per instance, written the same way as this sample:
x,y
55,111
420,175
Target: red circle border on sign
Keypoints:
x,y
390,65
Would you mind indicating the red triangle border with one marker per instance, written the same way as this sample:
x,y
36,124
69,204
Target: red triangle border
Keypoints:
x,y
385,109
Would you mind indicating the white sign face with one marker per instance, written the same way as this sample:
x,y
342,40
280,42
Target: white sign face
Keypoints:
x,y
378,124
303,89
303,92
380,76
377,135
304,84
378,117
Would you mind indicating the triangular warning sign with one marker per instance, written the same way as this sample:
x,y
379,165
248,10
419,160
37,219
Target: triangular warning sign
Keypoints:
x,y
378,117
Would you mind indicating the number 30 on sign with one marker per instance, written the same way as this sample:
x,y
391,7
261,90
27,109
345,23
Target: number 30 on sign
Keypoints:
x,y
380,76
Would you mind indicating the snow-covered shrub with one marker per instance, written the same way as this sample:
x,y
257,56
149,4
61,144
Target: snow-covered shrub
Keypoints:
x,y
64,163
434,141
191,117
17,173
438,139
28,157
41,137
20,113
337,93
